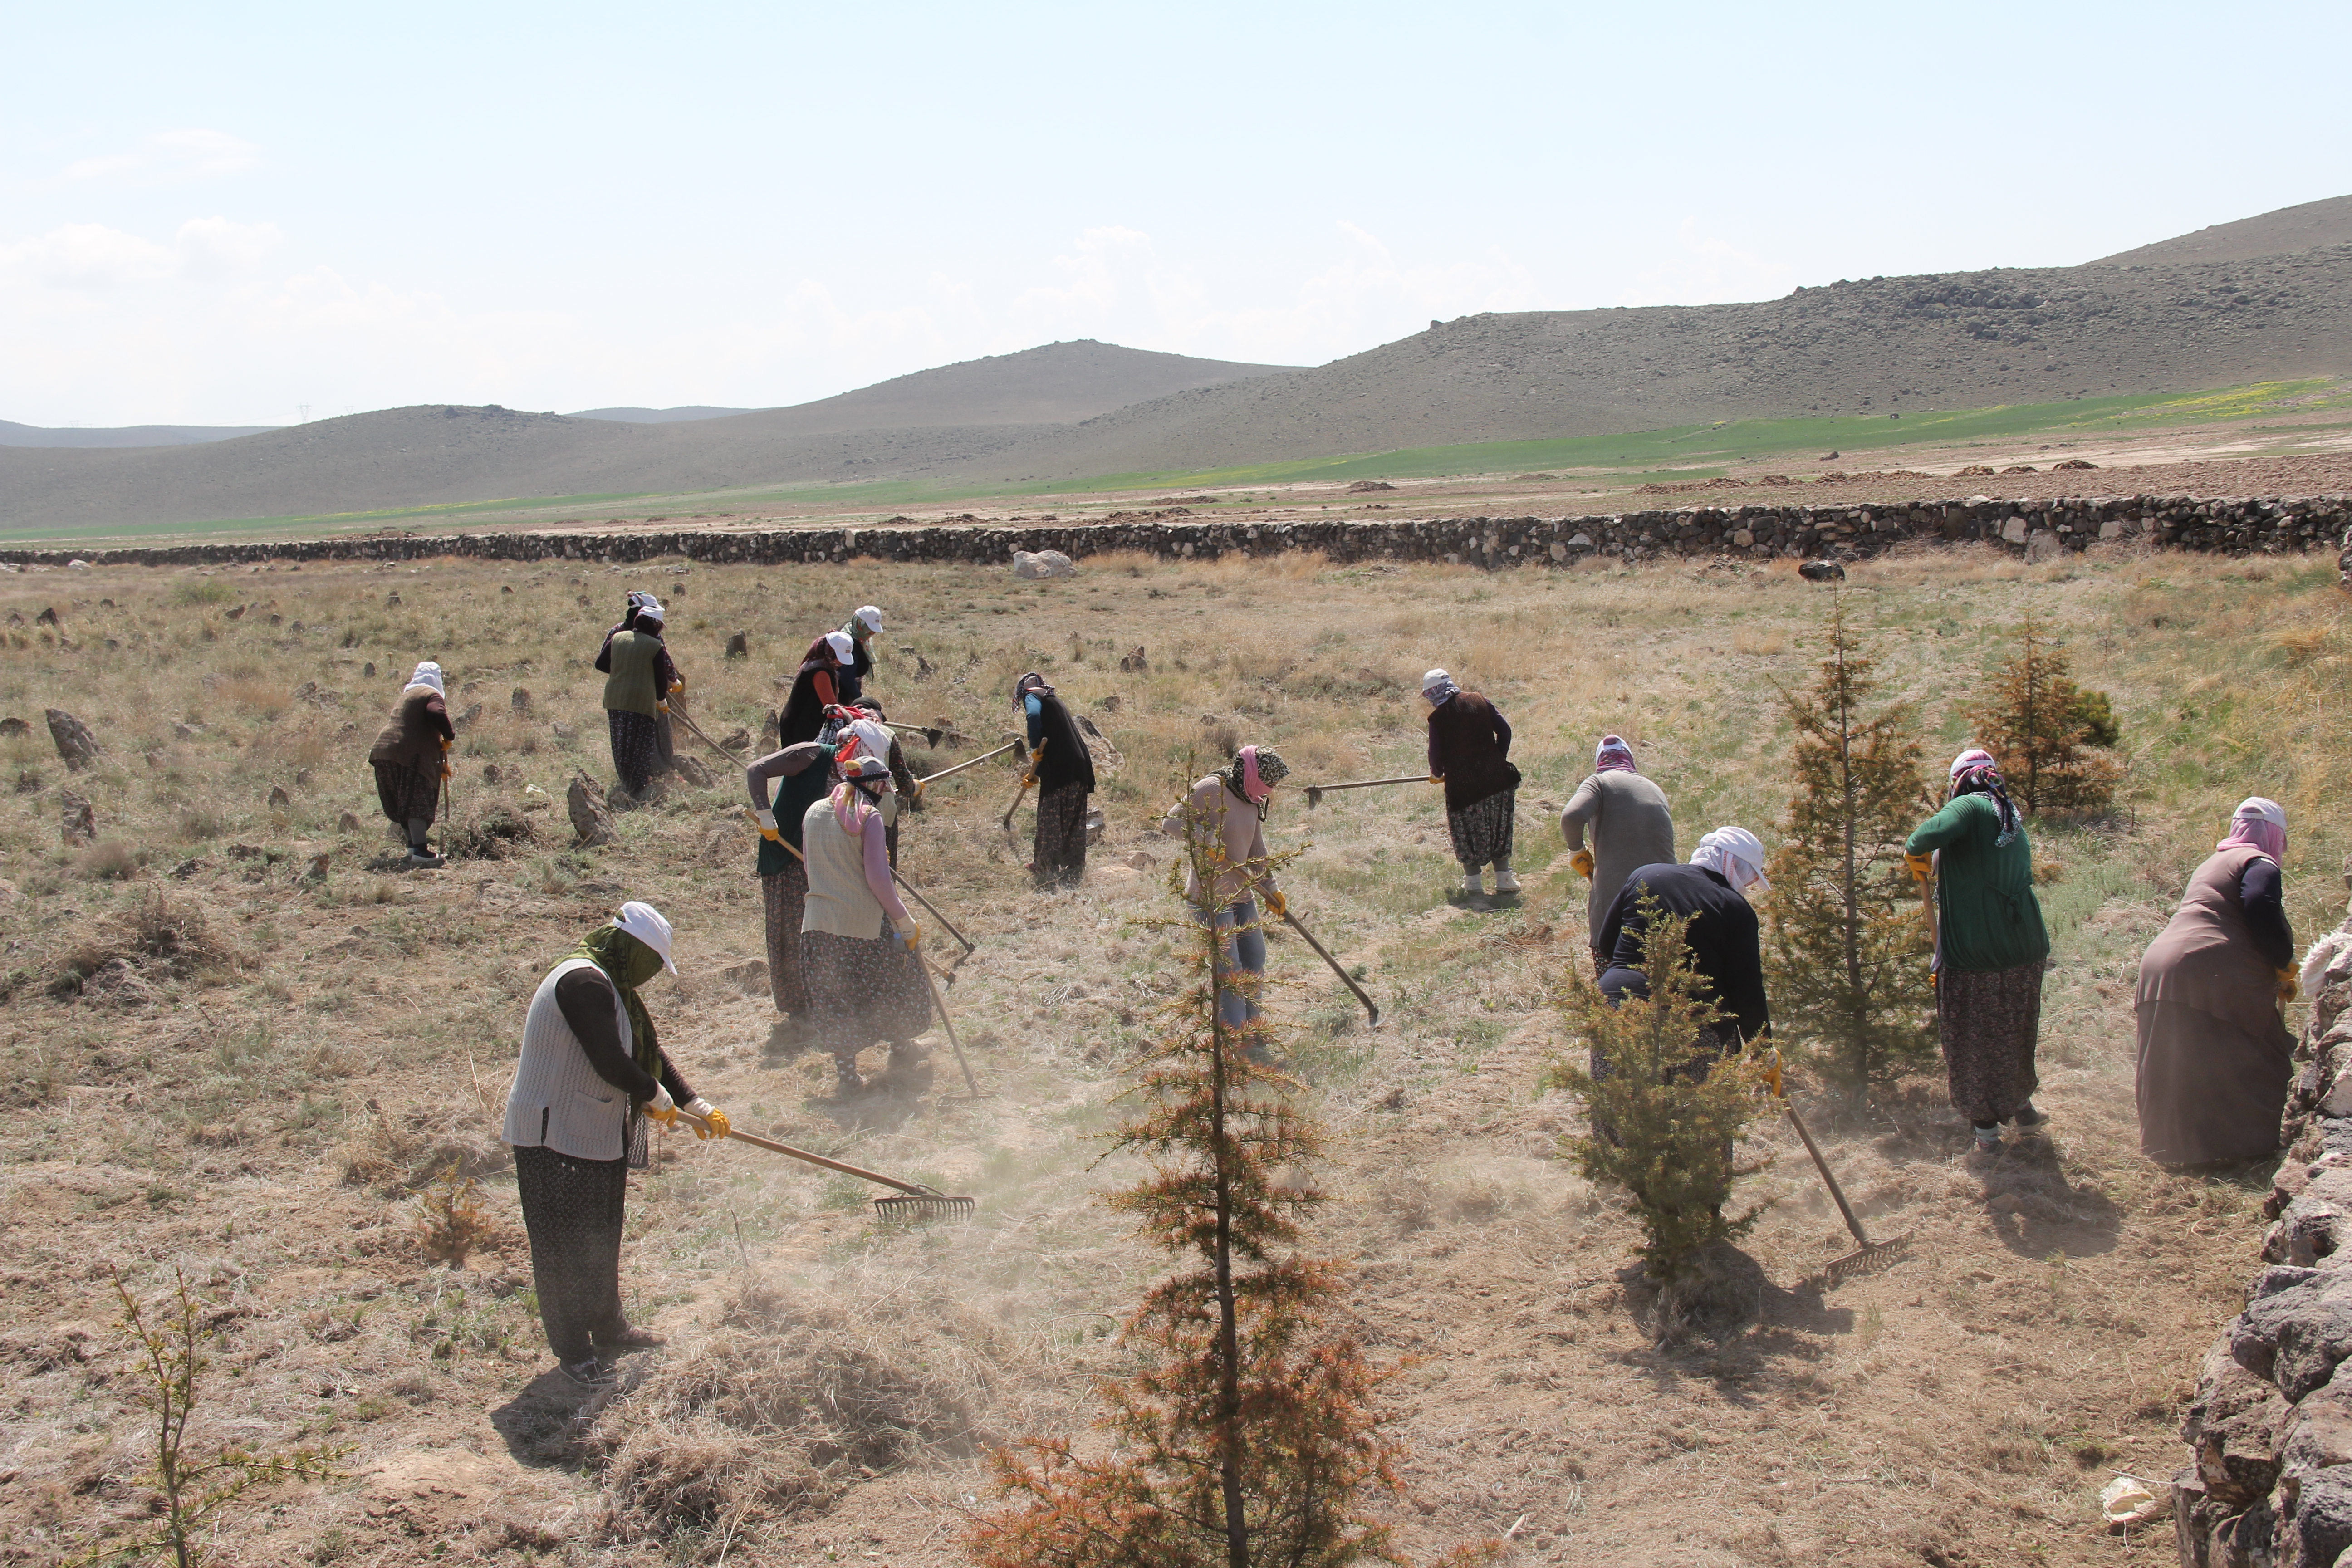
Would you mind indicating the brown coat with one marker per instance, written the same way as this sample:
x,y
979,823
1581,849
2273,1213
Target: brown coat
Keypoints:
x,y
414,735
2207,958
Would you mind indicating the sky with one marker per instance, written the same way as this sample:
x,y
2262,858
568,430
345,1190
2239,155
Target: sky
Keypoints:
x,y
247,213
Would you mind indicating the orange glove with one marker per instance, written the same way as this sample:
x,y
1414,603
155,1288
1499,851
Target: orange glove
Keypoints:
x,y
1276,904
2290,986
1921,866
1582,860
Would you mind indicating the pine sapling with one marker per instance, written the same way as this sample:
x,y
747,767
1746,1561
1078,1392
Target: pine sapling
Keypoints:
x,y
1251,1433
1849,949
2046,731
1666,1101
168,1348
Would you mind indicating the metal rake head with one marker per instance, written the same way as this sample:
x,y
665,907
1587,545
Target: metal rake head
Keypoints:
x,y
1867,1259
927,1205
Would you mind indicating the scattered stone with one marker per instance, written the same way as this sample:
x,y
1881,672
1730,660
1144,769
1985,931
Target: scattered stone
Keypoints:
x,y
1973,471
1823,570
737,739
489,773
317,871
1034,565
186,731
1141,861
236,614
186,870
347,823
392,600
77,564
1366,487
503,588
2019,469
1111,703
739,646
76,821
466,719
367,671
47,618
519,701
1133,663
302,778
278,799
2075,464
691,770
74,743
560,730
12,726
590,819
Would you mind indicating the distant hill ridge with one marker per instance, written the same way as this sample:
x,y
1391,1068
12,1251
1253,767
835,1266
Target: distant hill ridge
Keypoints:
x,y
1069,411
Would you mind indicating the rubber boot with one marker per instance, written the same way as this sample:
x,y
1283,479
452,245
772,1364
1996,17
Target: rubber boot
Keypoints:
x,y
1505,882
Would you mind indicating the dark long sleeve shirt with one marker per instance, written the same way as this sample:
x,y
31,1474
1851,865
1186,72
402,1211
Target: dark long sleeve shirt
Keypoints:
x,y
586,999
2265,898
1724,940
1470,749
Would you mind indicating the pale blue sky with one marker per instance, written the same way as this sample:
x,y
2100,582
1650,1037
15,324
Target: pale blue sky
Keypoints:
x,y
215,215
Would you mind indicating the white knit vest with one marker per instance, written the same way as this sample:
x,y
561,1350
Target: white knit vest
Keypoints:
x,y
839,901
557,1100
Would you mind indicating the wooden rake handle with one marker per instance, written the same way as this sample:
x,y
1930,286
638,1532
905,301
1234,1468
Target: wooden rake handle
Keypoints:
x,y
771,1146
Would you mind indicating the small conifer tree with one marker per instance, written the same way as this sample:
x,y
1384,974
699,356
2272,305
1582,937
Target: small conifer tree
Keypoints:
x,y
1665,1104
1251,1433
1849,945
2047,731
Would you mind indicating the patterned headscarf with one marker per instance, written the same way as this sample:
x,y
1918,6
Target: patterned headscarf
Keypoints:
x,y
1031,682
1253,772
1437,688
1974,771
2261,822
1613,755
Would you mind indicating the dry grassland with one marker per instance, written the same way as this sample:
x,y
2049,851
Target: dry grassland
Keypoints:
x,y
217,1060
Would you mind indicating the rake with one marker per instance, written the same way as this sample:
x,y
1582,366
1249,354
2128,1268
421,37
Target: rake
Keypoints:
x,y
945,772
1315,792
915,1201
1869,1257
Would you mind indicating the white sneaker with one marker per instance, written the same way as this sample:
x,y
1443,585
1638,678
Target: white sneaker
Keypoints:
x,y
1473,887
1505,882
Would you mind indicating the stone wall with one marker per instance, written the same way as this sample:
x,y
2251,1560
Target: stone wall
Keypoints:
x,y
2270,1428
2231,526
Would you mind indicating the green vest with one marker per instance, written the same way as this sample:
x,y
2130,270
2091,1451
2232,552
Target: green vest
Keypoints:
x,y
630,688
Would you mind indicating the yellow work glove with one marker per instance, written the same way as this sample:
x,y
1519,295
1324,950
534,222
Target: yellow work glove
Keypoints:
x,y
662,1108
1921,866
2289,987
1276,904
1582,860
1438,778
767,829
911,938
710,1122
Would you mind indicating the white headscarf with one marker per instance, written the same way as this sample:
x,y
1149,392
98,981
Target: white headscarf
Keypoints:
x,y
645,923
428,674
1735,854
651,610
872,738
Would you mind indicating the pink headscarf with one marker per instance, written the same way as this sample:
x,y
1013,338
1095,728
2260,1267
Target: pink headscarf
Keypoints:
x,y
2260,822
1254,789
1613,755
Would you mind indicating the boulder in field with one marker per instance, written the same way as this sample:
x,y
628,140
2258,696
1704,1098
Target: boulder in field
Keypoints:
x,y
74,743
1034,565
76,823
590,820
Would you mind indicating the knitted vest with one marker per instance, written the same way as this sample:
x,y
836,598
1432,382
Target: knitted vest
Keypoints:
x,y
557,1100
839,901
630,688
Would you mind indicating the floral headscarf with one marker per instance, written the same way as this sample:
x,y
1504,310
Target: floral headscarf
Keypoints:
x,y
1253,772
1613,755
1974,771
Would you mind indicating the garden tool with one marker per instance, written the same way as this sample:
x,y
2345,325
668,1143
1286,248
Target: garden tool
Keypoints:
x,y
941,1002
928,909
915,1201
929,733
1315,792
679,713
1346,979
1028,779
960,767
1870,1255
1935,929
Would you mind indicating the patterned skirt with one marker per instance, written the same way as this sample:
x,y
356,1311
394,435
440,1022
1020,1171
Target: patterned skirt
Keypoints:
x,y
407,793
783,899
1989,1020
861,990
1060,849
636,746
573,1210
1482,830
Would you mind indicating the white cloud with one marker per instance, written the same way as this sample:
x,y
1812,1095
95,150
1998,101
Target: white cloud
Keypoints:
x,y
90,255
1706,269
192,154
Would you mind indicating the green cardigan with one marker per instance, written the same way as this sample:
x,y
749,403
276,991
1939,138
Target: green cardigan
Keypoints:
x,y
1991,918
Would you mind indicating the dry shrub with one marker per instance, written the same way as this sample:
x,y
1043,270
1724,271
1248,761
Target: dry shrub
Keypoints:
x,y
125,955
497,835
785,1402
109,860
411,1147
261,695
451,1221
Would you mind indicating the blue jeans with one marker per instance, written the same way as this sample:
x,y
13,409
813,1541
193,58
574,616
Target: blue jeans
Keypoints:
x,y
1241,950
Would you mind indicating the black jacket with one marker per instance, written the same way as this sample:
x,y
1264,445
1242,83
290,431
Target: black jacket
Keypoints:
x,y
1724,940
1068,760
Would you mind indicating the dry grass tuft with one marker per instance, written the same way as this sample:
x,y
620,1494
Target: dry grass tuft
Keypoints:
x,y
414,1146
788,1399
125,955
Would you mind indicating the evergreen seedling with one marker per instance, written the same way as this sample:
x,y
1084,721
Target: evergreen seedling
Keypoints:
x,y
1250,1433
2046,731
1848,958
1666,1106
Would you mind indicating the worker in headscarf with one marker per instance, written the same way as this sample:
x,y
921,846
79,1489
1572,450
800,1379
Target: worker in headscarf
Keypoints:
x,y
861,629
865,722
411,757
1990,945
1470,754
1630,824
1222,820
1064,772
591,1075
2215,1055
1725,938
801,773
860,950
815,687
639,682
